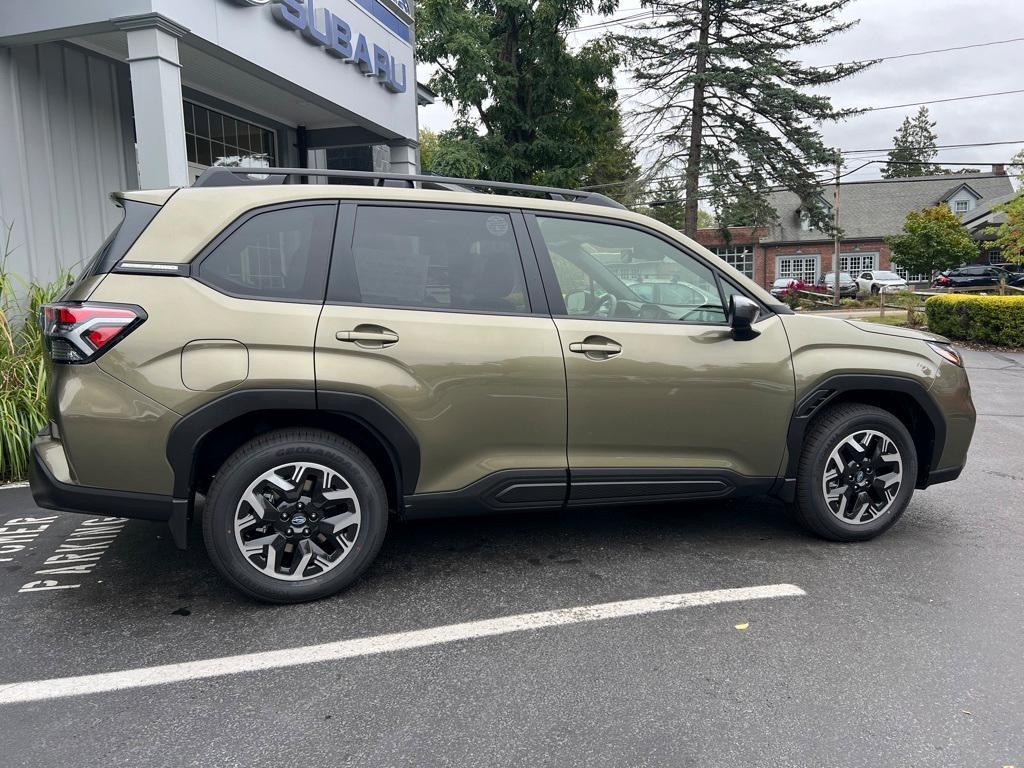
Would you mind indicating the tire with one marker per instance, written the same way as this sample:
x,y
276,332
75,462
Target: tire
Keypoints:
x,y
875,290
826,448
254,483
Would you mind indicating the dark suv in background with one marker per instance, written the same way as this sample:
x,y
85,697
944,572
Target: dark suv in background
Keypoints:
x,y
979,276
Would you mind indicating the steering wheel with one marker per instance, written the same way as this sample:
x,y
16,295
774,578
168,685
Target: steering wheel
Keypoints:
x,y
611,302
701,308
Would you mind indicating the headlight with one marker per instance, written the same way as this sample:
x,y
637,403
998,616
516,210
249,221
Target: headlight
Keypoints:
x,y
947,352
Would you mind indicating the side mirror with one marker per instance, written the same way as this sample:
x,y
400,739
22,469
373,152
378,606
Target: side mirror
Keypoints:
x,y
743,313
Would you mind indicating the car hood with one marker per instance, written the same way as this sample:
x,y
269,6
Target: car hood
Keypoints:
x,y
892,330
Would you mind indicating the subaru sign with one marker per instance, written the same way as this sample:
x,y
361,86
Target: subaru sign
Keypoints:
x,y
324,28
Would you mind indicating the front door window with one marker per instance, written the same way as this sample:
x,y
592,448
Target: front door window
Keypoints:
x,y
617,272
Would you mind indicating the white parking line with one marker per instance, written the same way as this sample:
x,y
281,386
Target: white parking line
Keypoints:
x,y
62,687
12,486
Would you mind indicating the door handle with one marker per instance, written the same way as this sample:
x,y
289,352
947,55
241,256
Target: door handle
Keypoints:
x,y
370,336
596,348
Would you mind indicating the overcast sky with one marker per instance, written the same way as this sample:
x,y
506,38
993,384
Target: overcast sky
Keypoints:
x,y
890,27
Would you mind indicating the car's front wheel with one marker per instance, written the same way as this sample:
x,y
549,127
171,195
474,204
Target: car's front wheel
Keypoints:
x,y
857,473
295,515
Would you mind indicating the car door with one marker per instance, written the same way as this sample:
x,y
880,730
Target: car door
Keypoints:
x,y
864,282
430,315
663,402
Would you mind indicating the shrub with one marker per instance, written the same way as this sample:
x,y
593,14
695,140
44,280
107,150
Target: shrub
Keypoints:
x,y
986,319
22,369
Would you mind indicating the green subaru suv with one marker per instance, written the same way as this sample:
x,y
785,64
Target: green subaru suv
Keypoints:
x,y
312,361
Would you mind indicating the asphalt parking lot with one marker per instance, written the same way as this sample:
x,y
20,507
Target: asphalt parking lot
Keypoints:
x,y
902,651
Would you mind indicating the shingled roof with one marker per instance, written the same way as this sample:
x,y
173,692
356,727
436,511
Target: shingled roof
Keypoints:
x,y
877,208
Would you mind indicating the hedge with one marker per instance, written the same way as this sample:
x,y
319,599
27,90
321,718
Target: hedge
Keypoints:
x,y
986,319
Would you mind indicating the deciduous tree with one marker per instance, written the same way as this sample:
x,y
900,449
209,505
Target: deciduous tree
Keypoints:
x,y
546,113
1010,234
932,240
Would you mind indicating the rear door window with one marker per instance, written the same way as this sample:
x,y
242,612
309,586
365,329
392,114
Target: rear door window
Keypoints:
x,y
279,254
432,258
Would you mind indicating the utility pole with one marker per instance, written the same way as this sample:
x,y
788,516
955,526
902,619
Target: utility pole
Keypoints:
x,y
835,227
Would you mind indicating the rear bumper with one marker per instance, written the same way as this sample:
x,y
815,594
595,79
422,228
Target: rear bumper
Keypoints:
x,y
51,493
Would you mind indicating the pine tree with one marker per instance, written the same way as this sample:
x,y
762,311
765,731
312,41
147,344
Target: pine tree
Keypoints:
x,y
724,95
915,144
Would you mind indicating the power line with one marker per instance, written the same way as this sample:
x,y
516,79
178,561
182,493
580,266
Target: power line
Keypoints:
x,y
677,176
937,146
937,101
925,53
613,22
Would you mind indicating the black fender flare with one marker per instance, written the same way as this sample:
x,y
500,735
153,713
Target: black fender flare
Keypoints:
x,y
191,429
826,391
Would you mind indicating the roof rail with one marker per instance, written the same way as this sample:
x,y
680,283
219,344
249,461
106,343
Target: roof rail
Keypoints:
x,y
221,176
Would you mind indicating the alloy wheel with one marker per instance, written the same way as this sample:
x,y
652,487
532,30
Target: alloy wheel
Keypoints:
x,y
863,476
297,521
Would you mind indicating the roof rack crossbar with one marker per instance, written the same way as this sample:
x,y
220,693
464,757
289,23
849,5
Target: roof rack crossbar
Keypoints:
x,y
221,176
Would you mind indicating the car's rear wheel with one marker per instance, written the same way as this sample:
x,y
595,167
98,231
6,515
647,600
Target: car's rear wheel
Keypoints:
x,y
857,473
295,515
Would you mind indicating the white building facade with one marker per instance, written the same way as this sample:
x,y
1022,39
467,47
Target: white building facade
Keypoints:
x,y
108,95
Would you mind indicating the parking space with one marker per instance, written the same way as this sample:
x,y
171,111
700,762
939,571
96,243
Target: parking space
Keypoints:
x,y
905,650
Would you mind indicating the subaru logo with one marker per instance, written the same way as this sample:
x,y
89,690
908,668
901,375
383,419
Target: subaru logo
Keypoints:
x,y
299,520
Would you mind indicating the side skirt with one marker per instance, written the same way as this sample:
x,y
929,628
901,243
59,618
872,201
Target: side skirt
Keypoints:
x,y
552,490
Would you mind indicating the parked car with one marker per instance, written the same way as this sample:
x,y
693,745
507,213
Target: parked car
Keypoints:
x,y
781,286
878,280
316,361
848,287
1014,273
975,276
670,294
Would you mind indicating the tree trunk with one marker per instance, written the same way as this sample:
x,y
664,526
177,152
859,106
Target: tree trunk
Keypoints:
x,y
697,122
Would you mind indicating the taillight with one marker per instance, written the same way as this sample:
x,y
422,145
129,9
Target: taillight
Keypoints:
x,y
943,280
79,333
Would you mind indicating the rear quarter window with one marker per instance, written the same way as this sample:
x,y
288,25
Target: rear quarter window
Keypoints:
x,y
277,254
137,217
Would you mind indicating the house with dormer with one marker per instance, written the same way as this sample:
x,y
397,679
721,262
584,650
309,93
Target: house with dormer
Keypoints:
x,y
869,212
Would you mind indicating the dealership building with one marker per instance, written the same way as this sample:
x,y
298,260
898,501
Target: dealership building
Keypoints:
x,y
105,95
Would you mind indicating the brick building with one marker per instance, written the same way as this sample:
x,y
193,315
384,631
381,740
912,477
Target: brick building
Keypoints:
x,y
869,212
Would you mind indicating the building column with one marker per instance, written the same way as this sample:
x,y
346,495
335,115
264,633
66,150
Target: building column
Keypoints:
x,y
404,156
156,97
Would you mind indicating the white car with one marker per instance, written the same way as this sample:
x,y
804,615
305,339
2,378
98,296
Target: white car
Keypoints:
x,y
879,280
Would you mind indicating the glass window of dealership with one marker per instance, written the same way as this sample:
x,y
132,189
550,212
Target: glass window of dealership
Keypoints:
x,y
130,94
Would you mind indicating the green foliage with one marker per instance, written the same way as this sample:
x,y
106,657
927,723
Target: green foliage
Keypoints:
x,y
452,153
547,114
915,142
932,240
985,319
1009,236
726,97
22,367
1017,166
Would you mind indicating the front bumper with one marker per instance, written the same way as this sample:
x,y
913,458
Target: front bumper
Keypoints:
x,y
51,493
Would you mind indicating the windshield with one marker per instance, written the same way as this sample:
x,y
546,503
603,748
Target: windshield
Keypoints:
x,y
844,277
887,276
